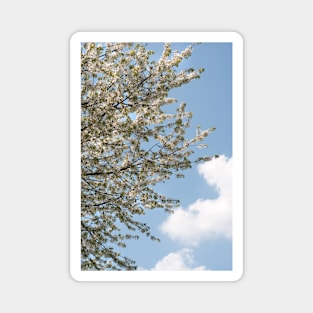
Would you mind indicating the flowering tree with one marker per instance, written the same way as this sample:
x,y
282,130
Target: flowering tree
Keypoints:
x,y
129,143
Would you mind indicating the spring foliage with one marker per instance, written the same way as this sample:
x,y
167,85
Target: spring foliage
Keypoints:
x,y
129,143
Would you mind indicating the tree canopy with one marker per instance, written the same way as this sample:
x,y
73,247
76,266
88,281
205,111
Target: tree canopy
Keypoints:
x,y
129,143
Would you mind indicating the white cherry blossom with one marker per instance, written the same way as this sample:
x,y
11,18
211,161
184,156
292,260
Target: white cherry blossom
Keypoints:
x,y
129,143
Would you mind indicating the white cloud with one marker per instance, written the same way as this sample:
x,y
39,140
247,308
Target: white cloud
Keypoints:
x,y
181,260
208,218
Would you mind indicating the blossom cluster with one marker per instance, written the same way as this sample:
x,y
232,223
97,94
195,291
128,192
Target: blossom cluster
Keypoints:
x,y
129,143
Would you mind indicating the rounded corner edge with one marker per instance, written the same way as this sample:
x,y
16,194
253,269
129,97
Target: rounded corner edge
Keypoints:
x,y
73,275
75,36
238,36
238,276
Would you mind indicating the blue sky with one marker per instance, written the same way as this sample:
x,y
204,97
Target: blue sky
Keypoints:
x,y
198,235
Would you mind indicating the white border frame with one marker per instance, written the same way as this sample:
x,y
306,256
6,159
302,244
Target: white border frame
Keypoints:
x,y
75,170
